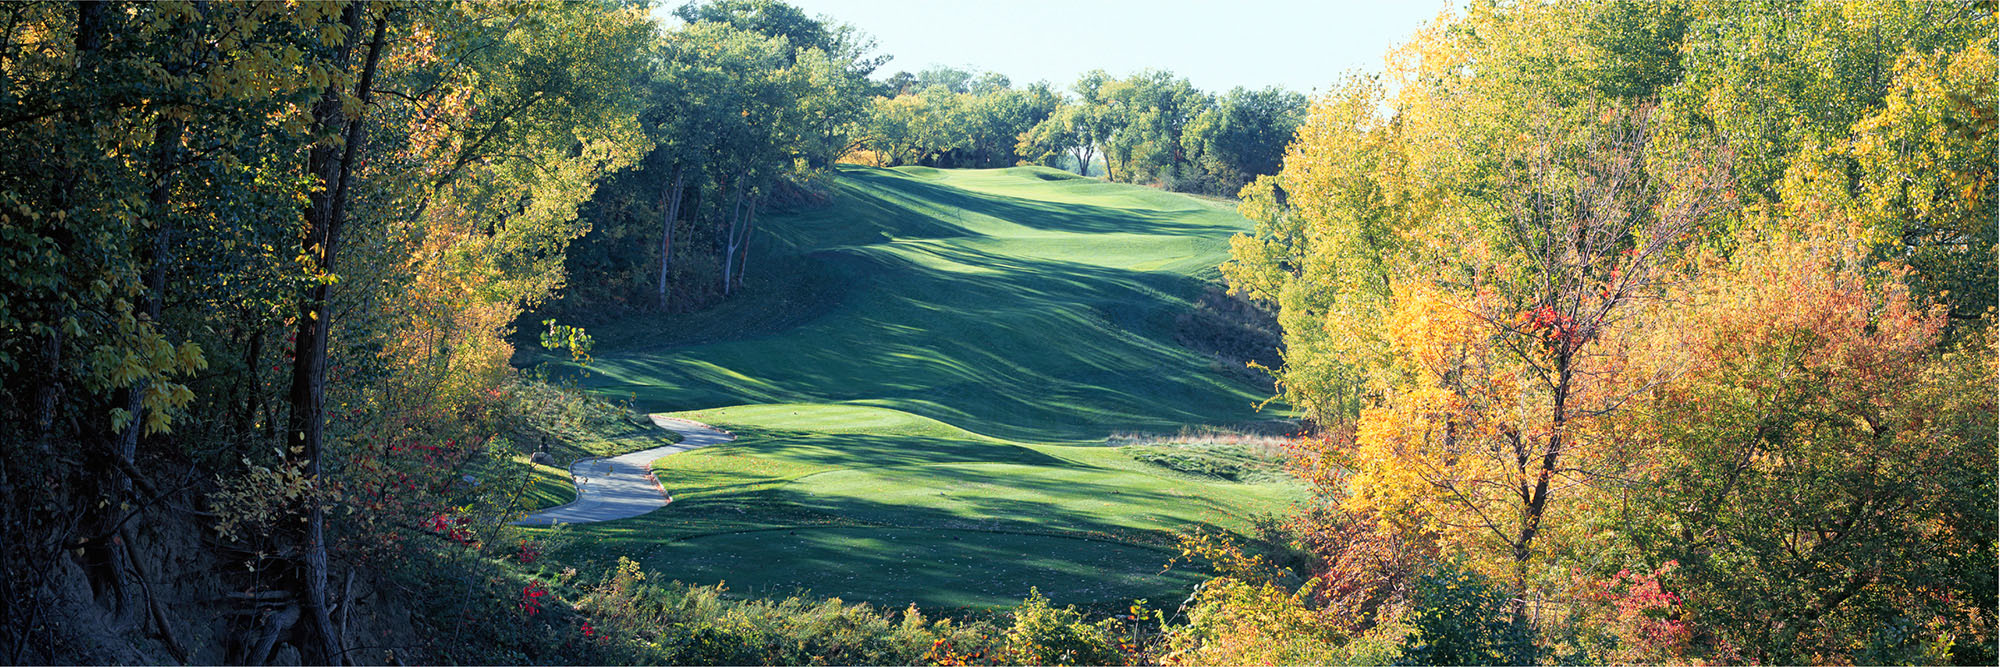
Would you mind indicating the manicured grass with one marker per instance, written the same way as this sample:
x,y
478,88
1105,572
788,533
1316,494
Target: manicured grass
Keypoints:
x,y
996,300
551,487
888,507
921,377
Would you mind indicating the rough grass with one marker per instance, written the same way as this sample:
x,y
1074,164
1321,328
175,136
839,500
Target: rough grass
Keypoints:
x,y
922,377
574,424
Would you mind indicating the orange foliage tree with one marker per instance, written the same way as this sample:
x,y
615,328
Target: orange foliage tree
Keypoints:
x,y
1512,347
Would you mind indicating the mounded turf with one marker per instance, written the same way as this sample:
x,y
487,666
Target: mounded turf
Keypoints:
x,y
873,504
1022,303
551,487
921,375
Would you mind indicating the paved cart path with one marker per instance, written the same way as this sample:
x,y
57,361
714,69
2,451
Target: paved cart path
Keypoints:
x,y
622,487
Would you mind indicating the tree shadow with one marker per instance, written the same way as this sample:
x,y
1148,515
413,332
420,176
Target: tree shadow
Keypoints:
x,y
1009,337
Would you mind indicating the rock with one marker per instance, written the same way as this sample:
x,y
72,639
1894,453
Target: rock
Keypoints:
x,y
543,458
285,655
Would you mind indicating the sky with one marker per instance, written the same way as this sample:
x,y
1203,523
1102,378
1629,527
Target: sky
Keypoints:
x,y
1302,45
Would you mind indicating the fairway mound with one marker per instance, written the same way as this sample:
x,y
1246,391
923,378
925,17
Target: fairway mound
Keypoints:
x,y
1047,173
922,172
994,300
936,431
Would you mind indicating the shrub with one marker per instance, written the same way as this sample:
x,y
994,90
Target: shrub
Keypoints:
x,y
675,623
1460,617
1045,635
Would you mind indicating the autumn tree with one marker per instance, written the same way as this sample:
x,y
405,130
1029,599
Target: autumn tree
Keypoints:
x,y
1511,351
1499,313
333,213
1806,472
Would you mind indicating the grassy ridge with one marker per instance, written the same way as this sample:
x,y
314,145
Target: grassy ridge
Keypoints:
x,y
922,376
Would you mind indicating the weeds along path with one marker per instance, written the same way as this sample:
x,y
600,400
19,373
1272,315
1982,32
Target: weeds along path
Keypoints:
x,y
622,487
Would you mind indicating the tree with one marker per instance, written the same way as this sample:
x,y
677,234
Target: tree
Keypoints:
x,y
230,184
1498,331
116,115
1329,236
339,141
769,18
1809,461
1141,120
1243,136
1917,171
952,79
744,102
1063,136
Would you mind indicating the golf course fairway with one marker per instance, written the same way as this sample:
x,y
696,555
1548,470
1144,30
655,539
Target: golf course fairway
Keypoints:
x,y
921,376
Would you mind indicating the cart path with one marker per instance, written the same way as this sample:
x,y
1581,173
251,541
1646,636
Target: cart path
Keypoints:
x,y
622,487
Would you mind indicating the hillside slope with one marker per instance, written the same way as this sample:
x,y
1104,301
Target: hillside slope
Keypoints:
x,y
921,376
1021,303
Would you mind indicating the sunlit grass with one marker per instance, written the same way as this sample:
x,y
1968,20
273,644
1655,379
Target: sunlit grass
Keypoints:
x,y
550,487
888,507
994,300
922,377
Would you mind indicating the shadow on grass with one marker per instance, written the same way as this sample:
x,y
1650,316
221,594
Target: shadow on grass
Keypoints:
x,y
1040,348
975,320
935,569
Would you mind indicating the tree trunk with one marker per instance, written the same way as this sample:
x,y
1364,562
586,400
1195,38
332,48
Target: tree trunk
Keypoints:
x,y
730,241
669,217
326,214
167,141
749,227
1538,499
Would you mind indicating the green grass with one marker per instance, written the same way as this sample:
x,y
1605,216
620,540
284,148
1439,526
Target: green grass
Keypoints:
x,y
995,300
922,376
894,508
551,487
575,425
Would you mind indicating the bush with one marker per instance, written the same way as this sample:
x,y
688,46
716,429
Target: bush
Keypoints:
x,y
643,622
1460,617
1044,635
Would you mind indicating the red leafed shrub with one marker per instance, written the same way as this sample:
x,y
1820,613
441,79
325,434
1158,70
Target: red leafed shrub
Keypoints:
x,y
1643,615
531,598
456,528
529,552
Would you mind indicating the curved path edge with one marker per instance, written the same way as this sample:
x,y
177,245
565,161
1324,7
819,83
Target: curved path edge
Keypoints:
x,y
622,487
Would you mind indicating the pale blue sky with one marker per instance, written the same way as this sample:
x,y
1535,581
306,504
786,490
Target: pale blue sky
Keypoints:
x,y
1300,45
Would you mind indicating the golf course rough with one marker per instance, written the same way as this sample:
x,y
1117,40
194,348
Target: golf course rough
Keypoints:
x,y
921,376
